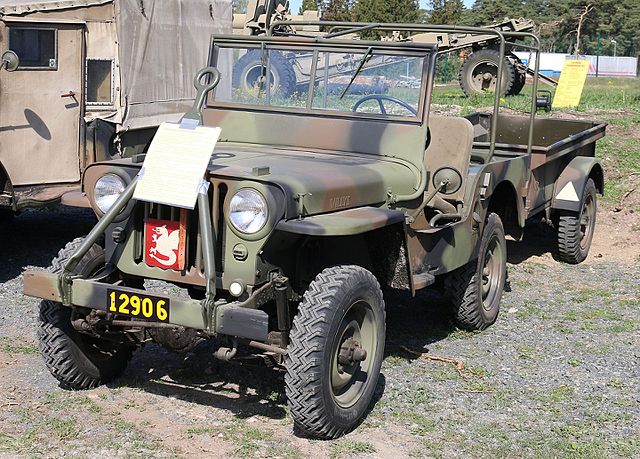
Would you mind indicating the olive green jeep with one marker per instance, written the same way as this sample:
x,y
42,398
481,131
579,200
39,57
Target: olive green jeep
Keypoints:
x,y
317,200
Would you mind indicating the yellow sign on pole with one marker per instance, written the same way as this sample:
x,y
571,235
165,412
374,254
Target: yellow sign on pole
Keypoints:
x,y
569,90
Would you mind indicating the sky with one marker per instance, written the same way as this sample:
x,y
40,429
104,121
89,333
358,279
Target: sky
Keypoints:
x,y
295,4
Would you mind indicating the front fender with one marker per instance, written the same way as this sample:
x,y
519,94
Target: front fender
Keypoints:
x,y
569,186
343,223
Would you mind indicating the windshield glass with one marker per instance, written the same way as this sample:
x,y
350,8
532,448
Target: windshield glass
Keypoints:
x,y
369,81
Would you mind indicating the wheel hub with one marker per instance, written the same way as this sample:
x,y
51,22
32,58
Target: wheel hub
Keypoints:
x,y
351,352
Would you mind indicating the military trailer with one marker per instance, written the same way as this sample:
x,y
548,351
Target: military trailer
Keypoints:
x,y
313,203
90,80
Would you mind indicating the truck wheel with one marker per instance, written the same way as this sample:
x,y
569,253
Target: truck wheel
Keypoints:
x,y
247,72
476,288
479,71
335,351
520,77
575,230
77,360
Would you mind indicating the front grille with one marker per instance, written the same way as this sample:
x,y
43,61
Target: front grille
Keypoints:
x,y
193,244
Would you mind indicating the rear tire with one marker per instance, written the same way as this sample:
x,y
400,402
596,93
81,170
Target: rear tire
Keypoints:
x,y
329,385
77,360
575,230
476,288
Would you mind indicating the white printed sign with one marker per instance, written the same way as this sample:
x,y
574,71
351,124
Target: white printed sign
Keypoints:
x,y
175,165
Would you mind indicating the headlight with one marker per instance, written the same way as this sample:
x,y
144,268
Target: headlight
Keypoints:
x,y
248,211
108,188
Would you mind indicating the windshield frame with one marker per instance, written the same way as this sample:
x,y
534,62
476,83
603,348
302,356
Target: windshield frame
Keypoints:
x,y
426,52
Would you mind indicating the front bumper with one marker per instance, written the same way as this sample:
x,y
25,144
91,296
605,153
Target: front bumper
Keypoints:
x,y
230,319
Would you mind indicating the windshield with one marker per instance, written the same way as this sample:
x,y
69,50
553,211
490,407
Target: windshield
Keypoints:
x,y
362,81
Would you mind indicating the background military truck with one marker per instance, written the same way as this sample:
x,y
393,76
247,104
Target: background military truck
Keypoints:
x,y
90,80
315,202
477,75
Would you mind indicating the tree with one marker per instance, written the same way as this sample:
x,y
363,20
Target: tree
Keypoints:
x,y
581,19
336,10
239,6
402,11
308,5
446,11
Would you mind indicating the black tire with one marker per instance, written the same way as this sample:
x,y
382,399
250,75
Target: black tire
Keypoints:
x,y
77,360
248,69
328,397
520,78
476,288
478,73
575,229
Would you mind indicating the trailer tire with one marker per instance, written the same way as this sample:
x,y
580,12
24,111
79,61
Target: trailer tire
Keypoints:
x,y
476,288
479,71
575,229
76,360
329,384
248,69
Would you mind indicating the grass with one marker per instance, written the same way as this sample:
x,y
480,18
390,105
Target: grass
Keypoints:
x,y
347,447
16,345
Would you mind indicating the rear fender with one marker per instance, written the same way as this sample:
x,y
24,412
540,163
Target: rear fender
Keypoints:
x,y
569,186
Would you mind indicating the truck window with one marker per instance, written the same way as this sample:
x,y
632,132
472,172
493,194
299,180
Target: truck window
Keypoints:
x,y
99,82
36,47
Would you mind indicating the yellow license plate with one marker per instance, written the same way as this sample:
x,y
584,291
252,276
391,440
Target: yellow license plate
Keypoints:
x,y
140,306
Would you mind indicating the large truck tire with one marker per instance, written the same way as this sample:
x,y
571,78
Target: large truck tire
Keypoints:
x,y
77,360
575,229
476,288
247,72
520,76
335,351
478,74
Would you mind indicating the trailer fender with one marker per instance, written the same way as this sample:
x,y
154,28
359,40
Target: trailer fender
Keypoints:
x,y
344,223
569,186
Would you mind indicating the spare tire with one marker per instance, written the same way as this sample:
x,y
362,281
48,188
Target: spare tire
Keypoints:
x,y
248,72
479,72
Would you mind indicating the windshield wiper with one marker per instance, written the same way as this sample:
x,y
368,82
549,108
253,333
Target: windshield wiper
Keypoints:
x,y
365,59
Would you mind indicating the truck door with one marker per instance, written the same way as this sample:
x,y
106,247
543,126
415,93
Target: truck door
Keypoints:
x,y
41,104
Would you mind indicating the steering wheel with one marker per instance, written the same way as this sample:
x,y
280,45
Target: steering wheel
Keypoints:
x,y
382,97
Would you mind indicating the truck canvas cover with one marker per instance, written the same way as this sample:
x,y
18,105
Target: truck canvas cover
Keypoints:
x,y
148,38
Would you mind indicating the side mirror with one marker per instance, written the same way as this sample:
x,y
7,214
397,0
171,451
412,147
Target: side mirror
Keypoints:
x,y
10,61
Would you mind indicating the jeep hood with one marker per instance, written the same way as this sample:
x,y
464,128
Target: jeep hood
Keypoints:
x,y
329,180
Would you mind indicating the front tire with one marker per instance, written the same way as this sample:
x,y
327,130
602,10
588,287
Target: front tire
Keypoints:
x,y
575,230
335,352
476,288
77,360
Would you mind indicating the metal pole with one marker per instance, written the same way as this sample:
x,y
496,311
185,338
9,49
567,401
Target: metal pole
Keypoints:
x,y
598,55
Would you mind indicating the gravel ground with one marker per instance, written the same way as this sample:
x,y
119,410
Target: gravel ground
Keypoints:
x,y
556,376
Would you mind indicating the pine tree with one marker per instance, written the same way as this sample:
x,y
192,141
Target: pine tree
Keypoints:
x,y
308,5
446,11
336,10
402,11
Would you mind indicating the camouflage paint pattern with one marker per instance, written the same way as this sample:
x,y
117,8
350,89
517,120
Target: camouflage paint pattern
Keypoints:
x,y
333,177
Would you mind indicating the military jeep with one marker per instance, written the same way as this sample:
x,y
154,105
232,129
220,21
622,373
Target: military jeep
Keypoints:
x,y
317,200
